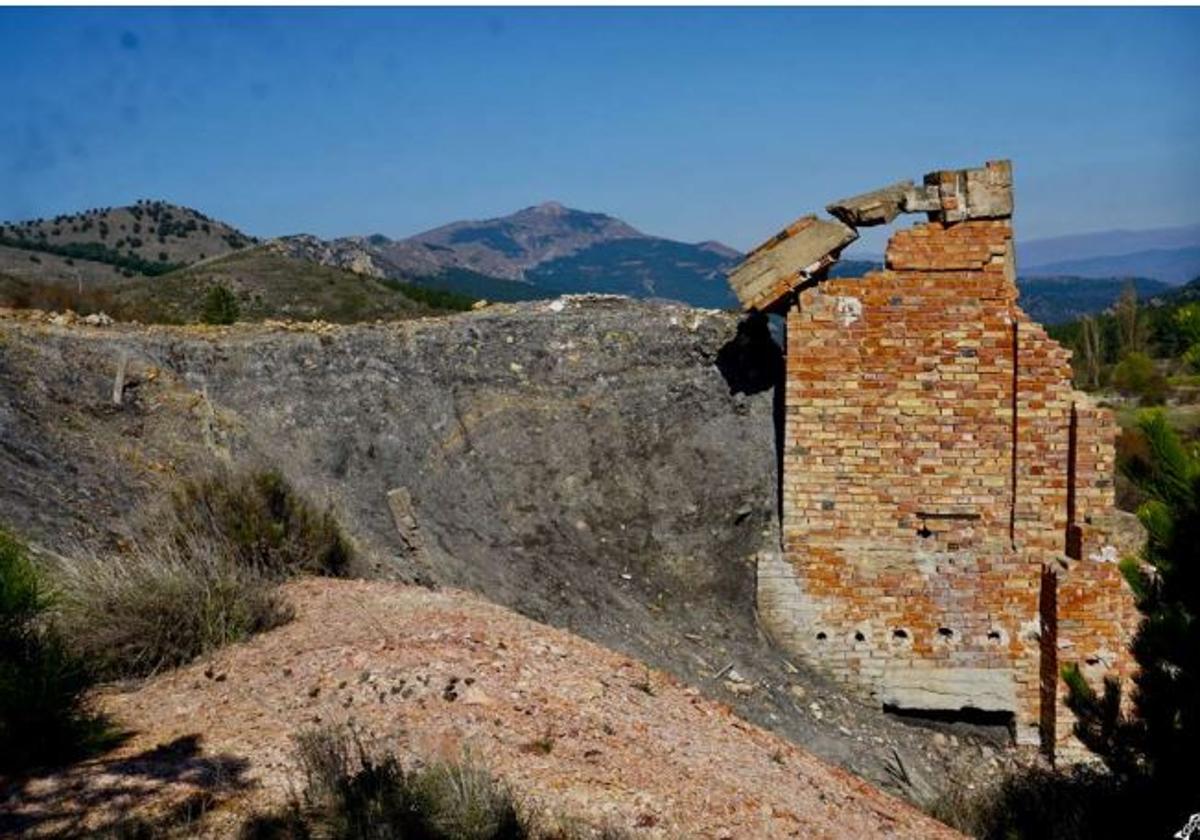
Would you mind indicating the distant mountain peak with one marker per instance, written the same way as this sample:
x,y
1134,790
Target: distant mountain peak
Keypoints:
x,y
719,248
551,208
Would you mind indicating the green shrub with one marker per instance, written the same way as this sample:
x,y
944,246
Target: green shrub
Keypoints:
x,y
262,521
206,578
351,794
220,306
1153,742
42,684
1137,376
1191,358
1043,804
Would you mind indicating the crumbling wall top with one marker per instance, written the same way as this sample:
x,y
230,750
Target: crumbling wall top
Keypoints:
x,y
808,247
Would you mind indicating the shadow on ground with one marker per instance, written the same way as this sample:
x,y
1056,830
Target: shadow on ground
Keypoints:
x,y
103,797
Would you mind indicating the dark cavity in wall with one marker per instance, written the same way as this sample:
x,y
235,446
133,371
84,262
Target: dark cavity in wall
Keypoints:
x,y
753,362
996,727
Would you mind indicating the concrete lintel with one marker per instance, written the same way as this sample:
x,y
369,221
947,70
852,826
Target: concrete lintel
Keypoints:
x,y
949,689
877,207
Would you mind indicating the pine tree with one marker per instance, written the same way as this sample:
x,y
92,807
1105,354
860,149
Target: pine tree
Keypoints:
x,y
1156,745
220,306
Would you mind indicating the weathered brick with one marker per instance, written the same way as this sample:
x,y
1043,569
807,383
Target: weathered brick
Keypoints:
x,y
936,460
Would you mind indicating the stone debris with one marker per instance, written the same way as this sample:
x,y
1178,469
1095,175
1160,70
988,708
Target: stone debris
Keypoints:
x,y
318,327
98,319
118,388
400,503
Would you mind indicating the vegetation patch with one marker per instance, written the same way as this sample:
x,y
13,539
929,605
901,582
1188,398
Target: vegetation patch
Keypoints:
x,y
434,298
94,251
220,306
352,794
1043,804
43,715
263,521
206,578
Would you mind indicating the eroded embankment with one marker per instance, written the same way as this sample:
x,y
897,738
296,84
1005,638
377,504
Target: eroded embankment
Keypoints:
x,y
587,463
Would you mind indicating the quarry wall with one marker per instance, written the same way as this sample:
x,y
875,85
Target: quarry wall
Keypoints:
x,y
947,497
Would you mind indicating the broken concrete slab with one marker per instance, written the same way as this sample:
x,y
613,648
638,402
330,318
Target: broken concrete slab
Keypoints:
x,y
805,248
877,207
922,199
810,245
982,193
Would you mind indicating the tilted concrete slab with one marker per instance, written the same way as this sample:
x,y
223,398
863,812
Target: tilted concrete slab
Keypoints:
x,y
774,268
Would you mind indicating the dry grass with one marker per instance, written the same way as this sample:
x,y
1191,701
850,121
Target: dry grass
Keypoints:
x,y
354,792
204,575
162,605
264,524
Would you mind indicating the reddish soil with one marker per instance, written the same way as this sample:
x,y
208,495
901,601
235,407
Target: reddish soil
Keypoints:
x,y
577,730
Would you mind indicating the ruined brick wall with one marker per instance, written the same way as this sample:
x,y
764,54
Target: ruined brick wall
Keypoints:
x,y
938,469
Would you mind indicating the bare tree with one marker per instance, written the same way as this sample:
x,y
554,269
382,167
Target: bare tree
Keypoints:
x,y
1132,325
1091,351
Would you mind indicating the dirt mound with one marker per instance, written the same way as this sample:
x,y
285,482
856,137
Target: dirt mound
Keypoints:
x,y
430,674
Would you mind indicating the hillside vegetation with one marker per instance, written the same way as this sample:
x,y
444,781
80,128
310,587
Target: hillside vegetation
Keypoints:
x,y
1136,356
149,238
261,284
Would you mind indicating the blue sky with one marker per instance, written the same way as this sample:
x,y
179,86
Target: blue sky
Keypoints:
x,y
689,123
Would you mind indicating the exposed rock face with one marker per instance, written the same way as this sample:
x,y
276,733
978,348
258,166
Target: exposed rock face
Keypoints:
x,y
598,429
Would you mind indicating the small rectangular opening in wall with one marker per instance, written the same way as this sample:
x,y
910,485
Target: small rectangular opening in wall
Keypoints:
x,y
969,517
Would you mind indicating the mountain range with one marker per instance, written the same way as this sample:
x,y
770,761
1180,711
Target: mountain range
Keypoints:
x,y
1170,254
537,252
540,251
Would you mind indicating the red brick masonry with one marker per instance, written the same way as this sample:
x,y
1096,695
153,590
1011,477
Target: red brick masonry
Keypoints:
x,y
945,491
